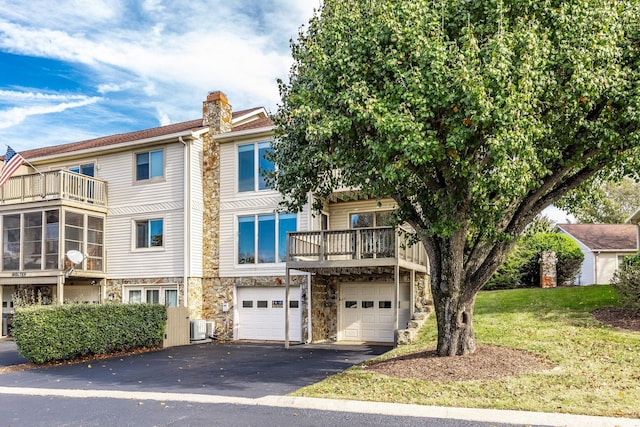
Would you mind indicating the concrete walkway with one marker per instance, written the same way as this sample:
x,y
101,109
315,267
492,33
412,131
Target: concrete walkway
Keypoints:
x,y
244,374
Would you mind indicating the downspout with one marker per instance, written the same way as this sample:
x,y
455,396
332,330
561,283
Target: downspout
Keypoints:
x,y
187,218
396,302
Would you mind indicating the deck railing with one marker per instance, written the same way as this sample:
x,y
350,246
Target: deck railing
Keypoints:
x,y
54,185
352,244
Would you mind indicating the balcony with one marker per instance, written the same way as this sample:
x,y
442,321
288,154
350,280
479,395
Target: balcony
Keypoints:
x,y
55,185
353,248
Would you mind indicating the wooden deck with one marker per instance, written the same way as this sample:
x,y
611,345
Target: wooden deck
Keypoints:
x,y
55,185
362,248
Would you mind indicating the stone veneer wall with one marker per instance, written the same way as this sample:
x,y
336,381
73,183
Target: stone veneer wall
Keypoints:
x,y
325,297
194,297
422,292
324,309
115,286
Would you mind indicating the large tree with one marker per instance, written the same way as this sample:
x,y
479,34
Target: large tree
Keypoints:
x,y
603,202
472,115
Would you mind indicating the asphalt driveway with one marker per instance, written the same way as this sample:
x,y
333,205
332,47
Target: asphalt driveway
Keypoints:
x,y
234,369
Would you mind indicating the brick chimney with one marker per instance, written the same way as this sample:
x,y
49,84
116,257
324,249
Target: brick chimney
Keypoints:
x,y
216,113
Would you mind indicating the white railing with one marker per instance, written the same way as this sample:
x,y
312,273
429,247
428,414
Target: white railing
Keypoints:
x,y
54,185
351,244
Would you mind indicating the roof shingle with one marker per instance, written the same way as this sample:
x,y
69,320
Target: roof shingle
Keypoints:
x,y
604,236
191,125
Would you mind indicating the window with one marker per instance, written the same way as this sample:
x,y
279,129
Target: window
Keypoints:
x,y
266,238
73,231
263,238
164,295
252,165
286,223
87,169
95,234
149,165
52,239
33,241
171,297
135,296
38,240
153,296
11,242
371,219
149,233
620,261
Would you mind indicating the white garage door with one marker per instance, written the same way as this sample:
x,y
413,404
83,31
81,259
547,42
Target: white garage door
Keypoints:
x,y
261,314
366,312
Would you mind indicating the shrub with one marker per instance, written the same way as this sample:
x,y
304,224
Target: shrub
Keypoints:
x,y
568,254
522,267
626,282
58,332
509,275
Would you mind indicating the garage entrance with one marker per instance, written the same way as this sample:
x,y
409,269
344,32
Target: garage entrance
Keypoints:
x,y
366,312
261,314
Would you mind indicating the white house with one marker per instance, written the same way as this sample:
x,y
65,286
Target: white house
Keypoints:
x,y
180,215
604,247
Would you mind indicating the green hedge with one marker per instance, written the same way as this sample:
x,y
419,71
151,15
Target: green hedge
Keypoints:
x,y
59,332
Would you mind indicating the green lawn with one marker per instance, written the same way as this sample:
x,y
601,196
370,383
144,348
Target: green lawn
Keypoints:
x,y
597,368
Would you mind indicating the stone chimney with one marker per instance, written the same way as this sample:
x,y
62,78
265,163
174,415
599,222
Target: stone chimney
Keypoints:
x,y
216,113
209,296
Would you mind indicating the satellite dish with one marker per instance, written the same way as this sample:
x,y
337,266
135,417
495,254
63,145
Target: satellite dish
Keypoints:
x,y
75,257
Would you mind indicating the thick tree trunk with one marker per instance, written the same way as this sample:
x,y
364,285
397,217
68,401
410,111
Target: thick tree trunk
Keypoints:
x,y
453,296
454,315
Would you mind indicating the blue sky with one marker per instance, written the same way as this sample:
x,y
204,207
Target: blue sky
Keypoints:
x,y
82,69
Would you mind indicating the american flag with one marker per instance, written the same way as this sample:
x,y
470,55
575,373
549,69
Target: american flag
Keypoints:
x,y
12,161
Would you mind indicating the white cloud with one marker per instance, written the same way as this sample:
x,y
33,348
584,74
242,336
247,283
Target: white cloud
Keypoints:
x,y
150,53
114,87
163,117
29,103
34,96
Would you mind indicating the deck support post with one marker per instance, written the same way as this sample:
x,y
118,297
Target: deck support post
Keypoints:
x,y
286,309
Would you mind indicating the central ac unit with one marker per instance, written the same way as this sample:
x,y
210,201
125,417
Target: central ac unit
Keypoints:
x,y
198,330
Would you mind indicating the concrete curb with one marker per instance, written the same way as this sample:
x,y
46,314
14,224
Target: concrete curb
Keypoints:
x,y
380,408
467,414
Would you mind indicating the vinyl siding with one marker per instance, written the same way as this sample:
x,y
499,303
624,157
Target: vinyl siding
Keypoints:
x,y
197,210
585,277
607,265
339,213
130,201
